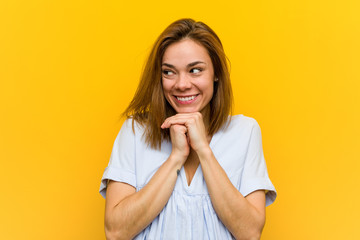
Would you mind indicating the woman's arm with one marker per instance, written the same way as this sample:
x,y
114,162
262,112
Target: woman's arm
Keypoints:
x,y
128,212
243,216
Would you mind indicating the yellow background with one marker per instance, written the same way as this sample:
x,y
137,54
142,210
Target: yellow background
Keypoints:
x,y
69,68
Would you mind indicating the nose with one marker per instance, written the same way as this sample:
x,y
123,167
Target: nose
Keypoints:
x,y
183,82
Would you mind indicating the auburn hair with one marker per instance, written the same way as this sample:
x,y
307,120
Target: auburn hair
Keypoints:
x,y
149,106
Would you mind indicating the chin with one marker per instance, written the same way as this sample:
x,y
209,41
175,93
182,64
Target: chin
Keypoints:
x,y
187,110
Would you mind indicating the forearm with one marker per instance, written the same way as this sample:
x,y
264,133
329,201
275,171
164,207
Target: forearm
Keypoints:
x,y
133,213
241,218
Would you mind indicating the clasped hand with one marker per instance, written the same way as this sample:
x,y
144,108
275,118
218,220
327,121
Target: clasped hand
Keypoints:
x,y
187,130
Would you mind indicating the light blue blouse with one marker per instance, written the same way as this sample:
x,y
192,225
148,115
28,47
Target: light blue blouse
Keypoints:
x,y
189,213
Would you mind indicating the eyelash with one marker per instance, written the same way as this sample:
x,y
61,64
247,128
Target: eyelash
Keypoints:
x,y
166,72
200,70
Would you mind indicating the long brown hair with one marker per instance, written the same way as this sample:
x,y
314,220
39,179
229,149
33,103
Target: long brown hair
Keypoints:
x,y
149,107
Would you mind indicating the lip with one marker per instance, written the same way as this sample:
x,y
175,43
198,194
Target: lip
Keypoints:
x,y
185,102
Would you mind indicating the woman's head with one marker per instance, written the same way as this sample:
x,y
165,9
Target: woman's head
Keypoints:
x,y
188,77
155,98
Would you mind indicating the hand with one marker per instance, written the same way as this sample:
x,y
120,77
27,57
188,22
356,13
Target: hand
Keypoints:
x,y
196,131
180,143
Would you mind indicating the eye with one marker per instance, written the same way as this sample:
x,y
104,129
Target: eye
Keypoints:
x,y
168,72
196,70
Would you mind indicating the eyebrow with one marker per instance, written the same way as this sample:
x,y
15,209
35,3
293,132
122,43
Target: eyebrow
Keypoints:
x,y
189,65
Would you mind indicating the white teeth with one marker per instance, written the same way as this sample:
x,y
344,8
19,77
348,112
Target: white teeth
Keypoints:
x,y
185,98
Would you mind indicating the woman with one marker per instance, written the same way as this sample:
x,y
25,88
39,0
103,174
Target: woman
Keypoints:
x,y
181,167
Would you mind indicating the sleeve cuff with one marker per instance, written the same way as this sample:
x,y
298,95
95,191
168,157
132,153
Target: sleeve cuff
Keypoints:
x,y
116,174
260,184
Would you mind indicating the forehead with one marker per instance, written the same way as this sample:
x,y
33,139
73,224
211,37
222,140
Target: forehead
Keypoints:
x,y
185,51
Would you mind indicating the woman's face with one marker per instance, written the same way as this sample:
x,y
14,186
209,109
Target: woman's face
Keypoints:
x,y
187,77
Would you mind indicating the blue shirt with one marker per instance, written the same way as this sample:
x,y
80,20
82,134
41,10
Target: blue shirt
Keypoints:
x,y
189,213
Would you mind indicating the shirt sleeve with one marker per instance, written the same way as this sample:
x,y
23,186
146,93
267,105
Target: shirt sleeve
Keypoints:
x,y
255,175
121,166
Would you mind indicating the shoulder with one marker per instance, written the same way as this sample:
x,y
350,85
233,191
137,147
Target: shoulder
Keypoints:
x,y
241,123
126,128
133,125
130,129
238,131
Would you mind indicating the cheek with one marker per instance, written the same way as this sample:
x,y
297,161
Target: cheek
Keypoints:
x,y
210,93
166,85
166,88
208,87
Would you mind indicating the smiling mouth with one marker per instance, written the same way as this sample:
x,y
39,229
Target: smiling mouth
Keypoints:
x,y
185,99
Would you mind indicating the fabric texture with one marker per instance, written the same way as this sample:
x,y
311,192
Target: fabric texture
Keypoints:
x,y
189,213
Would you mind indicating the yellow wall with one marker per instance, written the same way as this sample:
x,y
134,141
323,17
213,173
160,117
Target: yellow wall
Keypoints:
x,y
69,68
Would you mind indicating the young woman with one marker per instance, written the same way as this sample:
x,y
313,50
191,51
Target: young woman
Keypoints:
x,y
181,166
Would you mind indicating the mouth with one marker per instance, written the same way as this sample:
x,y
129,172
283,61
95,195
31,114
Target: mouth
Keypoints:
x,y
186,99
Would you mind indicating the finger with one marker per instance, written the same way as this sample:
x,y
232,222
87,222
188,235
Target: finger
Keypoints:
x,y
175,121
184,119
179,128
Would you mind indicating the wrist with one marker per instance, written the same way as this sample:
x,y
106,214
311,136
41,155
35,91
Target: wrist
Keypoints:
x,y
204,153
177,160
